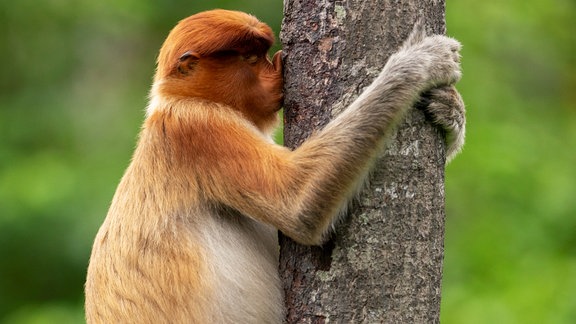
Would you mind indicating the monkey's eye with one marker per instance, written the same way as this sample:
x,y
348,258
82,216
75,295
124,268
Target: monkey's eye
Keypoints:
x,y
250,58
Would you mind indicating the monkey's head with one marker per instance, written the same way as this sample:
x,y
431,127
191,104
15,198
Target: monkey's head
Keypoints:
x,y
222,56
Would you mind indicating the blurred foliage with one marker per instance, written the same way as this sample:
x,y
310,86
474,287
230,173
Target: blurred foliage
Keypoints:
x,y
511,196
73,83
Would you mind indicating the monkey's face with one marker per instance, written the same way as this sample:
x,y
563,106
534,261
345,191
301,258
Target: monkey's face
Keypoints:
x,y
248,82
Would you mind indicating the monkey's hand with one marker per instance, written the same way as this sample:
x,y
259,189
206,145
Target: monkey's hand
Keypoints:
x,y
445,108
433,60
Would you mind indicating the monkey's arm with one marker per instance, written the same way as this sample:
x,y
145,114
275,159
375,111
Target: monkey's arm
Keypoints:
x,y
236,167
301,192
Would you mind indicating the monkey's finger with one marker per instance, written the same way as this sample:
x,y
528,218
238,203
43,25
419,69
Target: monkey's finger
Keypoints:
x,y
417,35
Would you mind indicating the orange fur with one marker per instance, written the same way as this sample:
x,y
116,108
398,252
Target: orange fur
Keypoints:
x,y
154,259
190,236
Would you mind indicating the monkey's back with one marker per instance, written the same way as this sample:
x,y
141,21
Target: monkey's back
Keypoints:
x,y
150,264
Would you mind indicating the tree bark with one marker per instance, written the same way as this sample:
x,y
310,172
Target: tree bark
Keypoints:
x,y
384,262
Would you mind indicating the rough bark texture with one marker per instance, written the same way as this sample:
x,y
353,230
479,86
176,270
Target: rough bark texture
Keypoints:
x,y
384,264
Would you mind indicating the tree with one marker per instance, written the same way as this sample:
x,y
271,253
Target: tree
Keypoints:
x,y
384,264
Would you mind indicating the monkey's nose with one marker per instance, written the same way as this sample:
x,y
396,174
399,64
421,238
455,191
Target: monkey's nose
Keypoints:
x,y
277,61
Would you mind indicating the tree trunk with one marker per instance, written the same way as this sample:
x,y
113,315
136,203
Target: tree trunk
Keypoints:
x,y
384,263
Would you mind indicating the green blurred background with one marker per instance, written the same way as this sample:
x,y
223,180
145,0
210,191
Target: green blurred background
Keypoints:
x,y
73,84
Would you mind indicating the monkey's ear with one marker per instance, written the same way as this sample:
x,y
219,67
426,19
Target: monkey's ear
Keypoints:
x,y
187,61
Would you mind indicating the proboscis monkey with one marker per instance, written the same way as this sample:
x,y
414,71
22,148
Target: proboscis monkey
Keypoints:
x,y
190,236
